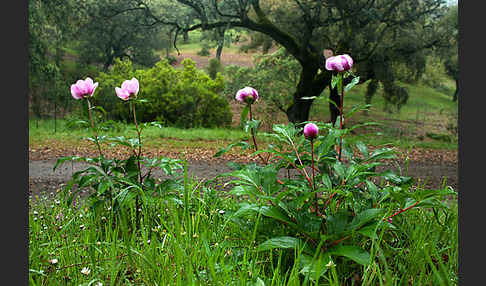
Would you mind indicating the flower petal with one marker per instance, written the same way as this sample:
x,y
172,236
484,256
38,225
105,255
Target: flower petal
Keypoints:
x,y
95,85
122,93
75,92
330,63
134,86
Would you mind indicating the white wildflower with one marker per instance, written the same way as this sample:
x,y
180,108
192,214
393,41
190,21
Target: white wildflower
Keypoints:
x,y
85,271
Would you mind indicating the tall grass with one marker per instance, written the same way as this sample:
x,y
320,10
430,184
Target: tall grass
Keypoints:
x,y
190,238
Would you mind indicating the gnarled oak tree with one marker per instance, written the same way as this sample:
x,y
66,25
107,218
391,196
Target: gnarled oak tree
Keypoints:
x,y
374,32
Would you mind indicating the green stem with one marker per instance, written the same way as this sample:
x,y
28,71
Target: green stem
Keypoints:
x,y
313,169
139,141
313,176
253,135
94,127
137,201
341,116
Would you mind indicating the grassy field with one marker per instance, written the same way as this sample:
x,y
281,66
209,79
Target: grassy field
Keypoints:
x,y
189,234
194,45
427,111
198,242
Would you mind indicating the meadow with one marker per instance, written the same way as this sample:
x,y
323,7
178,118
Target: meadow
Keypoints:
x,y
255,228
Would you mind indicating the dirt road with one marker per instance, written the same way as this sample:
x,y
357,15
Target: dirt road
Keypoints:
x,y
43,179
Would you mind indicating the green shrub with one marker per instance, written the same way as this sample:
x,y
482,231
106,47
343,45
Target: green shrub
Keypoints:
x,y
204,52
214,67
435,74
185,98
172,60
440,137
274,75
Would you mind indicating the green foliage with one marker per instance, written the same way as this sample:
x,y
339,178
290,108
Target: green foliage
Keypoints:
x,y
117,183
209,247
275,76
395,96
214,67
388,39
337,212
204,52
343,221
50,28
171,60
108,35
440,137
435,73
257,40
184,98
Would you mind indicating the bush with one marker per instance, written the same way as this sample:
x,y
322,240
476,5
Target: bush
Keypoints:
x,y
204,52
172,60
274,75
184,98
435,74
339,216
214,67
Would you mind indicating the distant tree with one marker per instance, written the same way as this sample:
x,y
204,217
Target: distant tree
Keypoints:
x,y
37,54
373,32
258,40
219,38
51,26
108,35
452,69
449,51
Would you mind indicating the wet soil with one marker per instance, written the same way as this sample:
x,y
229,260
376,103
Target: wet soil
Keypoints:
x,y
429,174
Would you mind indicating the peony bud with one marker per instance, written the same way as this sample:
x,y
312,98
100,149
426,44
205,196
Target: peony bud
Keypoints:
x,y
247,95
83,88
311,131
339,63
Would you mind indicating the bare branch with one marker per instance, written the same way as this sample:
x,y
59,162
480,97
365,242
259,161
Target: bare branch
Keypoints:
x,y
216,7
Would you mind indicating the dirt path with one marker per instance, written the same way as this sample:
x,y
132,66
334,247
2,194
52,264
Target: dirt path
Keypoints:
x,y
42,179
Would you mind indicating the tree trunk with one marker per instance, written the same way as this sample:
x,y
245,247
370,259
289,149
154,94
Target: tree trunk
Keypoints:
x,y
219,50
185,37
167,48
454,98
334,108
308,86
299,110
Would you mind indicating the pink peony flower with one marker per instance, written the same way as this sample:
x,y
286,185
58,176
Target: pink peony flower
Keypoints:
x,y
128,88
122,93
310,131
339,63
131,86
83,88
247,95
